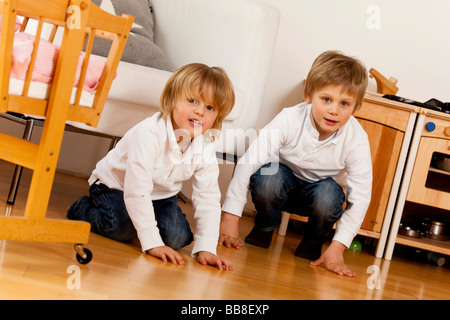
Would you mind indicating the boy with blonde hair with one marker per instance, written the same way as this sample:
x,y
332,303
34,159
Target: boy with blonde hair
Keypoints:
x,y
303,161
133,190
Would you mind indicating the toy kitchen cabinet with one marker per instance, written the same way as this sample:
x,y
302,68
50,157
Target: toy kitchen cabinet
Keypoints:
x,y
389,126
426,182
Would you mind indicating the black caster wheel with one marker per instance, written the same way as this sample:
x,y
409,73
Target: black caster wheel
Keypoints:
x,y
84,255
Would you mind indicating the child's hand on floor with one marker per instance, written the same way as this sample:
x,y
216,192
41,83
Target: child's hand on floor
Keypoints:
x,y
166,254
229,242
205,258
333,260
229,231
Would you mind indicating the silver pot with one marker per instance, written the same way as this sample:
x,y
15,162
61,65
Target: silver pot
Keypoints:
x,y
438,231
408,231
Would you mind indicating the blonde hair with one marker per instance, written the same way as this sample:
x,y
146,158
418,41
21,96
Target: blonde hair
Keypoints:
x,y
335,68
210,84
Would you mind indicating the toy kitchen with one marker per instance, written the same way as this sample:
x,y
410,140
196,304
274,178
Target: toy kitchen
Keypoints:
x,y
411,167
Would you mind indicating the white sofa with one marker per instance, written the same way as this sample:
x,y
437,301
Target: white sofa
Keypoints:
x,y
237,35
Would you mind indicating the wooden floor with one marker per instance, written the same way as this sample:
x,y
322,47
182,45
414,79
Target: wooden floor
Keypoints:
x,y
31,270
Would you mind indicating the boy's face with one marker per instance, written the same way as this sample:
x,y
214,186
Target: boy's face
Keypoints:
x,y
194,116
331,108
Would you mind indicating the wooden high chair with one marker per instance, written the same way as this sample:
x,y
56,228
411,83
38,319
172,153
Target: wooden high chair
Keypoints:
x,y
81,22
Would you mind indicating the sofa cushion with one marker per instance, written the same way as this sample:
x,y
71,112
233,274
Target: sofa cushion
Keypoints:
x,y
137,84
140,48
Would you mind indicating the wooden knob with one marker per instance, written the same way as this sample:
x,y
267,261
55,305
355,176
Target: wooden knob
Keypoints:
x,y
430,126
447,131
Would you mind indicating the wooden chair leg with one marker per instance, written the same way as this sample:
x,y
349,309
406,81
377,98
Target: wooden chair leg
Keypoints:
x,y
45,165
284,223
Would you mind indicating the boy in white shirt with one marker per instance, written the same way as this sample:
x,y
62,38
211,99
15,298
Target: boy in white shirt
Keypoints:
x,y
303,161
133,190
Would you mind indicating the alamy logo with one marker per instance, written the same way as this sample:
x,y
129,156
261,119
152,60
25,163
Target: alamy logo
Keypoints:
x,y
374,281
74,280
374,20
73,20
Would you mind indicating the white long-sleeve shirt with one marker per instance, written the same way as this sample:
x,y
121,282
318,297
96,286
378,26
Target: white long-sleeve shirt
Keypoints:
x,y
147,165
291,139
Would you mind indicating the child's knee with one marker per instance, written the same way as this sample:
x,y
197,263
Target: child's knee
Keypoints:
x,y
77,211
329,199
113,227
178,240
265,186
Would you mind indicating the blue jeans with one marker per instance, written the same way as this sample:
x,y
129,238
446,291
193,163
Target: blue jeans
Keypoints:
x,y
105,210
279,191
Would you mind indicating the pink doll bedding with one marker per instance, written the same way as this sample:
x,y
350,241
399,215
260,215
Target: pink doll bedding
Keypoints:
x,y
45,64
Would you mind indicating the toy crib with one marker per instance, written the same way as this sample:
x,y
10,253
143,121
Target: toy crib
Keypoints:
x,y
57,83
